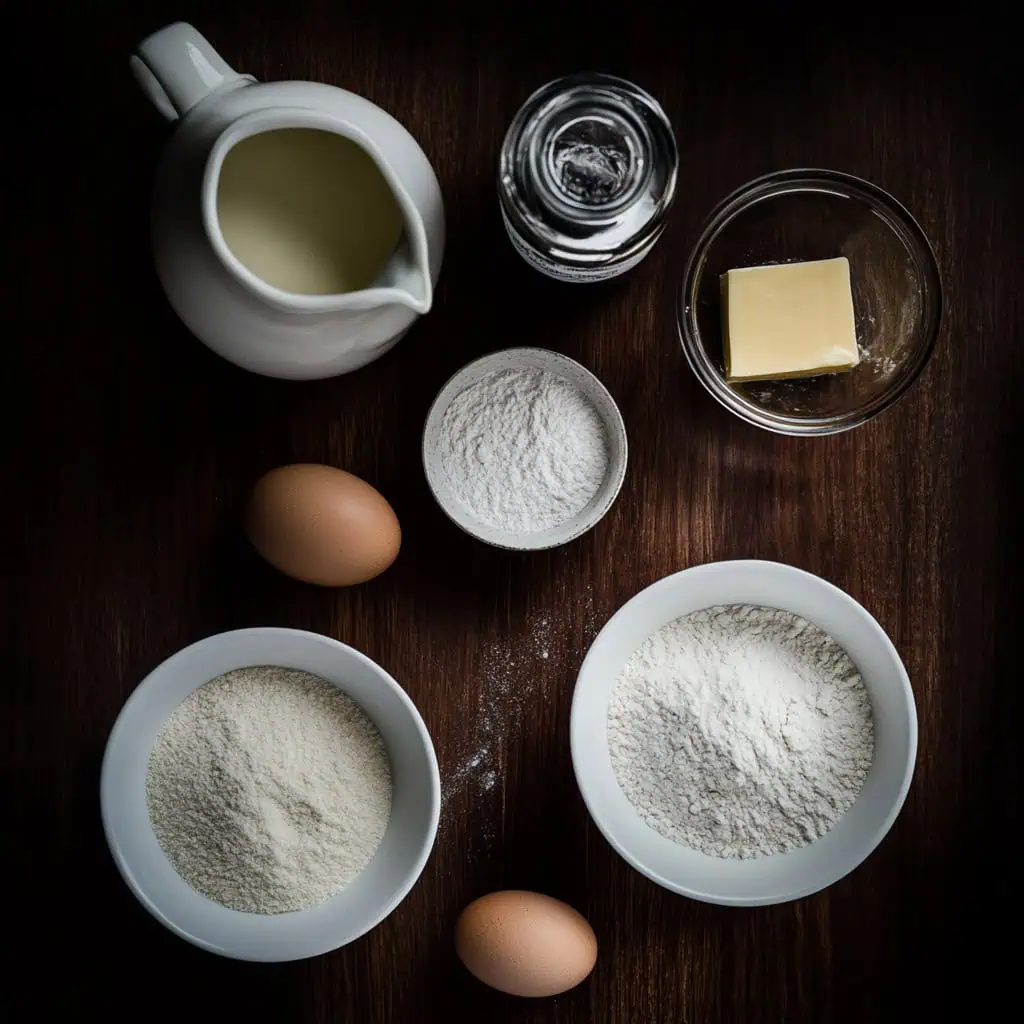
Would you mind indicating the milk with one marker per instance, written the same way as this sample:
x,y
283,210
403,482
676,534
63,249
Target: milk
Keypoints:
x,y
307,211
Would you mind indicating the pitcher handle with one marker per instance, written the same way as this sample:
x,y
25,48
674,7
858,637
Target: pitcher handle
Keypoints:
x,y
177,67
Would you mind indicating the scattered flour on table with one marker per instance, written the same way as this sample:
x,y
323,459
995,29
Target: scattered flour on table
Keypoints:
x,y
741,731
269,789
512,672
523,450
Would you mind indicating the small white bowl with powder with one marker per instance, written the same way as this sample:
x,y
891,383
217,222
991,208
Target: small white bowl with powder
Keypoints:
x,y
525,449
743,733
273,770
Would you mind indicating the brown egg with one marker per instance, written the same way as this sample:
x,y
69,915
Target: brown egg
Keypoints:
x,y
525,944
322,525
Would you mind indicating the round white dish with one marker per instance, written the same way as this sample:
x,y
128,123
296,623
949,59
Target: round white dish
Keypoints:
x,y
764,880
596,392
361,905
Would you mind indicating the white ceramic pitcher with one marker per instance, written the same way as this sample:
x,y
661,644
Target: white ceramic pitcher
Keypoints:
x,y
227,306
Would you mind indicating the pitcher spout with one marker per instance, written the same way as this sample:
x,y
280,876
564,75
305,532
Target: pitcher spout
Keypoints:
x,y
406,277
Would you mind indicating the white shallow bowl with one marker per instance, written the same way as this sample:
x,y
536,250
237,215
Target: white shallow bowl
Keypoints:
x,y
527,359
764,880
369,898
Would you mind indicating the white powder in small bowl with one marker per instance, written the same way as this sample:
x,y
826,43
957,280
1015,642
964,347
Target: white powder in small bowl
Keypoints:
x,y
523,450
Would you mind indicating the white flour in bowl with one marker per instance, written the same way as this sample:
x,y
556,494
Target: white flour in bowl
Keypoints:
x,y
269,789
523,450
741,731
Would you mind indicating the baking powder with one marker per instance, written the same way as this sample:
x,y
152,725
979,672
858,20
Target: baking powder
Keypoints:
x,y
741,731
523,450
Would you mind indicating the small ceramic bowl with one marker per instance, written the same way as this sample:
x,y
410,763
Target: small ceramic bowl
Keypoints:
x,y
808,214
763,880
595,391
361,905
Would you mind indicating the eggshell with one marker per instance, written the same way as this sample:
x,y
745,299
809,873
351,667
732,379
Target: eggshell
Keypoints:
x,y
322,525
525,943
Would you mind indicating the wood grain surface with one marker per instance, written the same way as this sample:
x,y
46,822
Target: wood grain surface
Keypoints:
x,y
133,447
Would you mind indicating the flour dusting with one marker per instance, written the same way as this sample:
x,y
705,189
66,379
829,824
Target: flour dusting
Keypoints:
x,y
513,672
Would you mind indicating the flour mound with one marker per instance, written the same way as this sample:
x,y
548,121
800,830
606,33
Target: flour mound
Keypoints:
x,y
741,731
269,790
523,450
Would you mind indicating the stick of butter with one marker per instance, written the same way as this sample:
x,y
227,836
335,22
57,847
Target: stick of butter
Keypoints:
x,y
788,320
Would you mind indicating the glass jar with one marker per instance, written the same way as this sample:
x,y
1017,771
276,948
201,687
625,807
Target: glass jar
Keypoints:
x,y
587,176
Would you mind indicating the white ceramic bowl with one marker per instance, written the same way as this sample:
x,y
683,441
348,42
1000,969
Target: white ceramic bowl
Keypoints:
x,y
519,359
764,880
361,905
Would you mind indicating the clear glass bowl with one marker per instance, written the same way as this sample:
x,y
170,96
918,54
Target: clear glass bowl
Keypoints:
x,y
808,214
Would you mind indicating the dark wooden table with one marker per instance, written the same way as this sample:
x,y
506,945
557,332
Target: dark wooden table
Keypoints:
x,y
134,448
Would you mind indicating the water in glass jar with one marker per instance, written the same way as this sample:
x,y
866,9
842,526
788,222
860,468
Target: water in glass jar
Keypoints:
x,y
587,176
